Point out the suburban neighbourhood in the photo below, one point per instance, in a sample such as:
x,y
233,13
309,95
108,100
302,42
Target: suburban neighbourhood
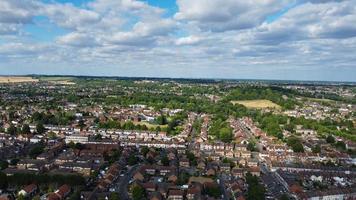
x,y
84,138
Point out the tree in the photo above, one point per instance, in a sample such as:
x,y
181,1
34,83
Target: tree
x,y
40,129
35,151
132,160
251,146
295,143
79,146
81,124
26,129
284,197
330,139
14,161
213,191
21,197
165,161
316,149
98,137
144,150
138,192
12,130
52,135
3,181
3,164
340,145
161,120
226,134
114,196
255,190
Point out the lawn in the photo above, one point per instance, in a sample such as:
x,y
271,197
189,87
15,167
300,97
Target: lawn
x,y
149,125
257,104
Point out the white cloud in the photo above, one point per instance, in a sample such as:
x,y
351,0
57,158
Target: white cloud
x,y
69,16
189,40
78,39
215,15
230,38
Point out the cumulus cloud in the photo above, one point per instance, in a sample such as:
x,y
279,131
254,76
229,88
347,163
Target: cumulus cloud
x,y
205,38
310,21
69,16
16,11
215,15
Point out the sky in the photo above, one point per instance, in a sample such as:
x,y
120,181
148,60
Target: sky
x,y
235,39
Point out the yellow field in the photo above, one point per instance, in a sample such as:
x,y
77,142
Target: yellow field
x,y
258,104
16,79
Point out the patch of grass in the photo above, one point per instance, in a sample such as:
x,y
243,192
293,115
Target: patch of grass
x,y
257,104
149,125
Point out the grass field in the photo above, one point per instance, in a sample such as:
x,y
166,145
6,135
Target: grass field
x,y
16,79
58,80
320,100
258,104
63,82
150,125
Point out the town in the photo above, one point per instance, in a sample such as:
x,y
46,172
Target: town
x,y
98,138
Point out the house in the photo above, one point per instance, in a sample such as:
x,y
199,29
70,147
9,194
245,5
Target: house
x,y
184,162
252,162
138,176
238,172
175,195
201,164
225,167
246,154
155,196
76,138
29,190
149,186
210,172
63,191
256,171
194,193
172,178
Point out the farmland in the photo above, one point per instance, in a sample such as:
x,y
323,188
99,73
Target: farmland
x,y
16,79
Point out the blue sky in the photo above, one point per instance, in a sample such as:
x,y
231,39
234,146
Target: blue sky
x,y
276,39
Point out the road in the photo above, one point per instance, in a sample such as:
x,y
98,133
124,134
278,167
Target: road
x,y
123,183
222,179
274,186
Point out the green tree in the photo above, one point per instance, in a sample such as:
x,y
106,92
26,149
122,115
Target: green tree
x,y
3,164
284,197
213,191
40,129
226,134
35,151
340,145
114,196
144,150
3,181
165,160
256,191
138,193
330,139
26,129
12,130
316,149
132,160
